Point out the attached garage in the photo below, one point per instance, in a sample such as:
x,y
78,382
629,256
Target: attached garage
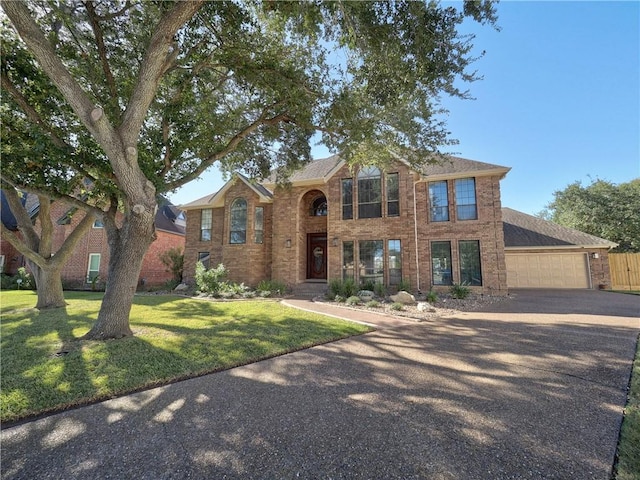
x,y
542,254
547,270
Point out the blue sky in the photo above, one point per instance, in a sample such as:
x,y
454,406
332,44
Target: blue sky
x,y
559,102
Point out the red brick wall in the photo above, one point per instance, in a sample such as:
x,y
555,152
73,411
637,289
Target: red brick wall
x,y
12,258
249,262
283,255
74,273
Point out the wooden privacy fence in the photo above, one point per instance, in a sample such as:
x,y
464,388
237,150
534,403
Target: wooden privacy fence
x,y
625,271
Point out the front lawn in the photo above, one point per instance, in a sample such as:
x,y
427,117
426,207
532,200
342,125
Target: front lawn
x,y
628,467
46,367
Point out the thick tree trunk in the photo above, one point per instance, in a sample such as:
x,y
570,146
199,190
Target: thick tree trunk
x,y
49,286
127,247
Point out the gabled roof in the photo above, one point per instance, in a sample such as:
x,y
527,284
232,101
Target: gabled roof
x,y
169,218
29,202
451,167
217,199
522,230
316,171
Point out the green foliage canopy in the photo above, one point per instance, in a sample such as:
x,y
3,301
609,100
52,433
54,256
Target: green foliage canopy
x,y
245,84
603,209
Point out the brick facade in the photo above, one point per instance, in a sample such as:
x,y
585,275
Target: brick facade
x,y
289,221
74,273
247,262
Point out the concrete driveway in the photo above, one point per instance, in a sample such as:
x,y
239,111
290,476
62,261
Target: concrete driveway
x,y
502,394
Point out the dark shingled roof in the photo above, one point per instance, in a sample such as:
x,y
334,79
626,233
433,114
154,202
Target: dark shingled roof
x,y
451,165
314,170
522,230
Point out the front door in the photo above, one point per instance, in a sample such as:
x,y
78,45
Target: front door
x,y
317,256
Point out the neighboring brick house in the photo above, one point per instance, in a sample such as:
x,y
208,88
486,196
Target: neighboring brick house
x,y
91,254
432,228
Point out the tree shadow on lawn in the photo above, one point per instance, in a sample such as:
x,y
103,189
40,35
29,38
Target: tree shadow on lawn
x,y
52,368
456,398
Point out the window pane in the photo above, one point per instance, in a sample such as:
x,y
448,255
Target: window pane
x,y
205,258
238,230
470,270
441,263
319,207
258,224
393,195
438,201
395,262
466,199
93,269
369,193
205,224
347,198
371,261
347,260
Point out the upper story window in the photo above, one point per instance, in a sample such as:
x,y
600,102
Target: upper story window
x,y
438,201
319,207
258,225
206,217
369,193
238,221
393,195
466,208
347,198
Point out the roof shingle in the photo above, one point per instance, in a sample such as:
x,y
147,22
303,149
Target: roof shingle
x,y
523,230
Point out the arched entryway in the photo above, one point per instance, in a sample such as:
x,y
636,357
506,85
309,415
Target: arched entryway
x,y
313,213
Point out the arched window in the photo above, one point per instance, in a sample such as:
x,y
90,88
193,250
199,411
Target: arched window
x,y
319,207
238,221
369,193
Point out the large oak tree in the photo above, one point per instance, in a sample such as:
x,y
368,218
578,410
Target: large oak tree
x,y
166,90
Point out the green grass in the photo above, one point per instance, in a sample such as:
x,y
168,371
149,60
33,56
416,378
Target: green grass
x,y
46,367
628,292
628,467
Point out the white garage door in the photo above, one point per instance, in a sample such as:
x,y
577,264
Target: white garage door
x,y
547,270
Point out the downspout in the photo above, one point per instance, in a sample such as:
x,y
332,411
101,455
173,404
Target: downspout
x,y
415,231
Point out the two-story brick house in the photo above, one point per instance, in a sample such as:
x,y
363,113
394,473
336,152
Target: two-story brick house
x,y
432,228
89,261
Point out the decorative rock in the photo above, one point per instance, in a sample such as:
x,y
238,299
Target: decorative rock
x,y
181,288
425,307
404,298
365,295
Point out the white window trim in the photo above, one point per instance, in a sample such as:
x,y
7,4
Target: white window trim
x,y
99,255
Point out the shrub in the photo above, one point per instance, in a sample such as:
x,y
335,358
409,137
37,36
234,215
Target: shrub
x,y
173,259
404,285
353,300
339,298
368,285
372,304
432,297
212,280
379,289
344,288
396,306
272,286
24,280
6,282
460,290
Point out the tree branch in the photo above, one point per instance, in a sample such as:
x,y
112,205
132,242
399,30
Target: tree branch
x,y
46,227
90,115
25,225
102,52
67,247
21,246
229,147
156,61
